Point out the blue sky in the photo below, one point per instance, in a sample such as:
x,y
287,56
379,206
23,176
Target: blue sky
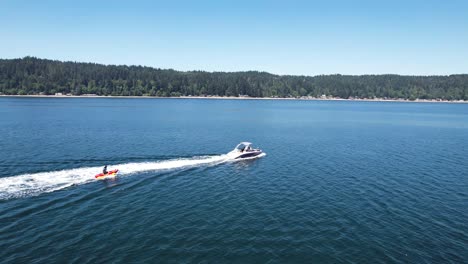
x,y
410,37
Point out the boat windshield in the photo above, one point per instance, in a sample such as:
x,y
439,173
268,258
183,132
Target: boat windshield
x,y
242,147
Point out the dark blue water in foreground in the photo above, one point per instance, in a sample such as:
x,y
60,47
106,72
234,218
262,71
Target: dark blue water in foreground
x,y
362,182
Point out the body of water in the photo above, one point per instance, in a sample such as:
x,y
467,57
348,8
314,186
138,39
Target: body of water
x,y
362,182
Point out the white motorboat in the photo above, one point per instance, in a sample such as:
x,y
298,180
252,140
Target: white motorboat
x,y
244,150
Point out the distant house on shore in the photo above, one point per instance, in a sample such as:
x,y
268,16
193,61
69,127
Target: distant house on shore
x,y
58,94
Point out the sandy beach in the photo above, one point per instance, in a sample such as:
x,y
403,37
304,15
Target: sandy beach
x,y
246,98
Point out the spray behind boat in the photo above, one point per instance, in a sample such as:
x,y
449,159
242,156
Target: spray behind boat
x,y
36,183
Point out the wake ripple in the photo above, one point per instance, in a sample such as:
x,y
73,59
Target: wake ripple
x,y
37,183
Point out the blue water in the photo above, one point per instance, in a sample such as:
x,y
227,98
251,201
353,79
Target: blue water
x,y
362,182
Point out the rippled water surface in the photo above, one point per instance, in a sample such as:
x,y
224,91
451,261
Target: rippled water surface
x,y
363,182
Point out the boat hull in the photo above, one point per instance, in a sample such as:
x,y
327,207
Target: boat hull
x,y
249,154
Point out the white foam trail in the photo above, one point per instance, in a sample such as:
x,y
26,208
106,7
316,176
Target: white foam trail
x,y
36,183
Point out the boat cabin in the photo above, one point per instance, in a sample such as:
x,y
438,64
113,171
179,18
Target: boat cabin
x,y
244,146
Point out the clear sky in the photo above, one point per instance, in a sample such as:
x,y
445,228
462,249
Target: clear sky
x,y
411,37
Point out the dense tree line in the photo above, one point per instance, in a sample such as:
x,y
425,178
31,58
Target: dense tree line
x,y
33,76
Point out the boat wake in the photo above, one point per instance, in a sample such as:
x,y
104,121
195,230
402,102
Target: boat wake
x,y
37,183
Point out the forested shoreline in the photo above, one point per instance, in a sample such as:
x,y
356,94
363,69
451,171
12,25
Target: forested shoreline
x,y
34,76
